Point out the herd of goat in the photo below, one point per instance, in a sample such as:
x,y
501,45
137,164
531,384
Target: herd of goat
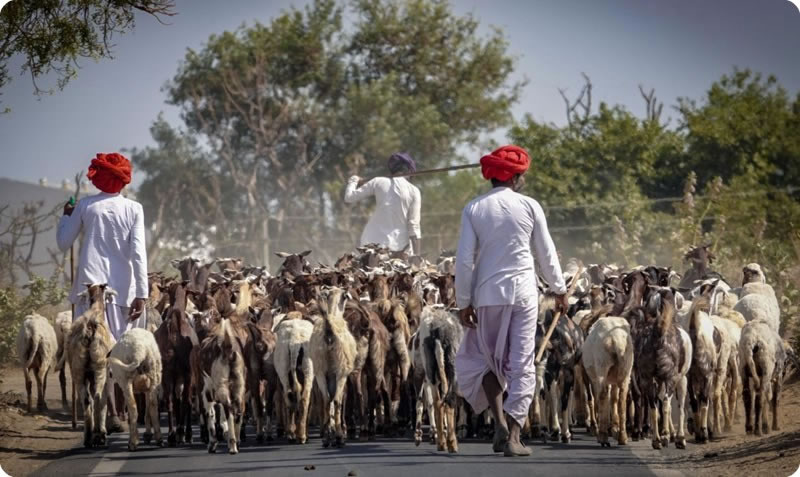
x,y
368,346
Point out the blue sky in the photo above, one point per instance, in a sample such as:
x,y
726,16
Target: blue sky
x,y
678,47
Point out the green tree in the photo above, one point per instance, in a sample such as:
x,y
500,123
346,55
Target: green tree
x,y
285,111
745,125
53,35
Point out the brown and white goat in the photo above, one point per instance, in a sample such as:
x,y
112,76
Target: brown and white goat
x,y
662,361
261,377
440,335
88,346
176,338
221,359
333,350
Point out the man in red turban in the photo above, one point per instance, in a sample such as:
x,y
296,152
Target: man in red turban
x,y
112,249
496,291
110,172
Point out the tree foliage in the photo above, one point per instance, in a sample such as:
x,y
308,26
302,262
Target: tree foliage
x,y
283,112
53,35
15,305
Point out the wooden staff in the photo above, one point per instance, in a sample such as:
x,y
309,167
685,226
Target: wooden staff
x,y
431,171
72,282
556,317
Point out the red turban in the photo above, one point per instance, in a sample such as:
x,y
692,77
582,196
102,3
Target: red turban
x,y
110,172
502,164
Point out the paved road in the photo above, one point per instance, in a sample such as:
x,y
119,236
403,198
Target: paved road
x,y
383,458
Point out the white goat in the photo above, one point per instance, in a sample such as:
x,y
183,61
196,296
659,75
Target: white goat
x,y
63,325
135,366
36,349
762,356
608,360
295,370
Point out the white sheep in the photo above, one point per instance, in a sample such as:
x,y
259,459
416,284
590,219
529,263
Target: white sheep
x,y
608,360
63,325
762,356
36,350
135,365
757,299
292,359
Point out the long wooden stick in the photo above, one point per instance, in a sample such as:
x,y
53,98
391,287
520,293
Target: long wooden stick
x,y
546,339
72,282
556,317
433,171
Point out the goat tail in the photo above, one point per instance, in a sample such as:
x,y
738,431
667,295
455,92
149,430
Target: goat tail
x,y
295,361
128,368
700,304
30,350
401,348
62,358
750,363
438,352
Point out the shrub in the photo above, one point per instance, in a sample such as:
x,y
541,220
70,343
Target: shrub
x,y
16,304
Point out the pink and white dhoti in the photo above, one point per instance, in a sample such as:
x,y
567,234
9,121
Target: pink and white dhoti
x,y
504,343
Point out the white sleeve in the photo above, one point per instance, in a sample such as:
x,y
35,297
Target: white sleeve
x,y
139,254
465,262
69,227
353,193
414,229
545,250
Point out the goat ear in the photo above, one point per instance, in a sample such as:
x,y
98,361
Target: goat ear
x,y
305,253
282,254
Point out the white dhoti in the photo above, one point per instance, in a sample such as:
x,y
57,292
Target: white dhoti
x,y
504,343
116,318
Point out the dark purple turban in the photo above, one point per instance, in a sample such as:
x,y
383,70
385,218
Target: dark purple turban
x,y
400,161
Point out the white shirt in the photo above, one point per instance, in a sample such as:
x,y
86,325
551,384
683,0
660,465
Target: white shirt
x,y
396,216
112,248
494,264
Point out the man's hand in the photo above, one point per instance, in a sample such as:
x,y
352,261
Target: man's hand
x,y
468,318
561,304
136,310
68,208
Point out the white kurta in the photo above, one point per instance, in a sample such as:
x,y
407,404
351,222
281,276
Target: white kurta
x,y
397,212
495,274
112,247
500,232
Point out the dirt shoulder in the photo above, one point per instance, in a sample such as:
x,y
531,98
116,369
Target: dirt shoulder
x,y
30,441
775,455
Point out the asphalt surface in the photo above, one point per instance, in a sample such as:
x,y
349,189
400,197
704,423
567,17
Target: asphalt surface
x,y
382,457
